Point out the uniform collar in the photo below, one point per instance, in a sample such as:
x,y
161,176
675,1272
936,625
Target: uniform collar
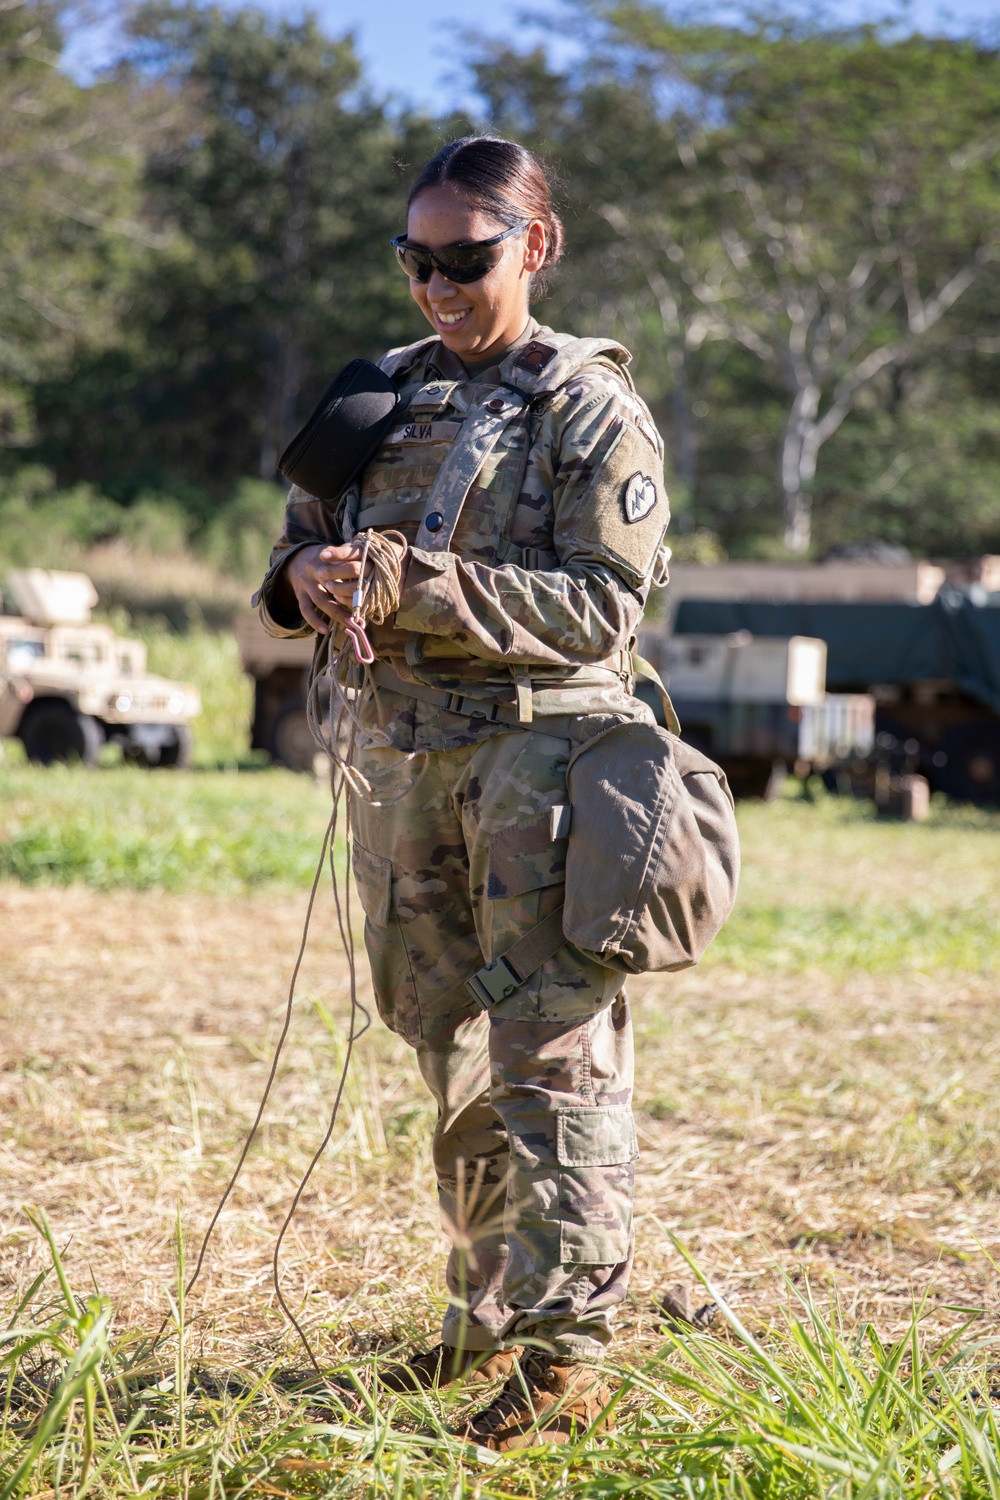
x,y
445,365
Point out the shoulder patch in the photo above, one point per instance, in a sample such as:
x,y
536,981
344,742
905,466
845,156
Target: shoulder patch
x,y
640,497
534,357
620,512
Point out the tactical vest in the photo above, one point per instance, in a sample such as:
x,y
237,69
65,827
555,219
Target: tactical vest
x,y
449,476
450,471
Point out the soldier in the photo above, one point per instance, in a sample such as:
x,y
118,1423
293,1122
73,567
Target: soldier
x,y
527,478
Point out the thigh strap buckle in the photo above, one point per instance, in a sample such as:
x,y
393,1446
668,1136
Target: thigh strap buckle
x,y
498,980
493,983
471,708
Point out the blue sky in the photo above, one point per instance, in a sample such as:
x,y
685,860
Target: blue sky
x,y
412,47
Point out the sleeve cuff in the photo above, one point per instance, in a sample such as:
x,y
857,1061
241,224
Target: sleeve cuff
x,y
428,584
283,623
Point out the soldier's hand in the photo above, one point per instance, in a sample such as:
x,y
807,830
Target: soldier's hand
x,y
322,579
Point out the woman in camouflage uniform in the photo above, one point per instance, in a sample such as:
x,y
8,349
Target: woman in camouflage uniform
x,y
527,477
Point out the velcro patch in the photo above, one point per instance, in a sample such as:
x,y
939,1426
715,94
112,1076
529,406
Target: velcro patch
x,y
599,521
640,497
534,357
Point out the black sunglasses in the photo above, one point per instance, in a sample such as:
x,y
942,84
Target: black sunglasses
x,y
459,263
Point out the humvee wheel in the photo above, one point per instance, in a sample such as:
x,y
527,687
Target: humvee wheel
x,y
52,732
291,740
177,756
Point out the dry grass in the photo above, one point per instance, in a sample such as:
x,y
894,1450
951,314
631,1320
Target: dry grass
x,y
843,1128
802,1121
176,584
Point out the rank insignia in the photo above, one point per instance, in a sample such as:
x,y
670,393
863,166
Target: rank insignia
x,y
534,357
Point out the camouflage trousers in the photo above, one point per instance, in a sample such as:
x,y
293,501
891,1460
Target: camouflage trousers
x,y
535,1145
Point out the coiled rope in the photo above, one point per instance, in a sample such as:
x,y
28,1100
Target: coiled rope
x,y
340,682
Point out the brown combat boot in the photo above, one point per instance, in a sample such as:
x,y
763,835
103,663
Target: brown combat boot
x,y
544,1400
441,1365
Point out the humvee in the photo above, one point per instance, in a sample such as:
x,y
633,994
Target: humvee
x,y
68,686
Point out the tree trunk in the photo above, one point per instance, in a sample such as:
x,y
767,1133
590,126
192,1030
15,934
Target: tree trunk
x,y
797,468
798,520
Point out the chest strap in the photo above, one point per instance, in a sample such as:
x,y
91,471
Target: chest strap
x,y
481,432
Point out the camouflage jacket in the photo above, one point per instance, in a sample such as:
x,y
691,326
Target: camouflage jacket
x,y
535,583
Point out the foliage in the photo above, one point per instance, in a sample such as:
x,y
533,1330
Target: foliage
x,y
70,164
40,525
121,827
238,540
791,223
152,558
268,199
819,200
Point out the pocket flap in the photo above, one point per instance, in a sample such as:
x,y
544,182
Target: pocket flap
x,y
596,1137
373,878
525,857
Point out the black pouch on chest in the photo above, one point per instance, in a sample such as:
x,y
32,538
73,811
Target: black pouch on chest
x,y
351,420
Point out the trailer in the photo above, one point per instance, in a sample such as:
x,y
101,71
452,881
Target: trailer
x,y
932,669
758,705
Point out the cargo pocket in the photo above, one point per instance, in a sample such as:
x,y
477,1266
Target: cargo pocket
x,y
373,878
596,1151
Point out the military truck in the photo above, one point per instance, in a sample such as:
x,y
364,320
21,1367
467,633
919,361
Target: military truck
x,y
758,705
280,670
922,639
69,686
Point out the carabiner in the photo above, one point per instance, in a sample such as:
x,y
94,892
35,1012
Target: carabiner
x,y
359,640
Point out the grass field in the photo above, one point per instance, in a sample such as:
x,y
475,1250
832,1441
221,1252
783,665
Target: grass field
x,y
818,1117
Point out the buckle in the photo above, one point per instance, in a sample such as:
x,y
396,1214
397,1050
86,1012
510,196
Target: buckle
x,y
493,983
470,708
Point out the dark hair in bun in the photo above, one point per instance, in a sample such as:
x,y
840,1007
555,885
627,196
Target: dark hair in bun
x,y
500,178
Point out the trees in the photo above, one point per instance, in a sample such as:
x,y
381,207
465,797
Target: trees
x,y
793,228
270,199
69,163
275,191
847,191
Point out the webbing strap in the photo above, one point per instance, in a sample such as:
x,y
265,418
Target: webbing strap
x,y
481,432
558,725
456,703
647,670
507,973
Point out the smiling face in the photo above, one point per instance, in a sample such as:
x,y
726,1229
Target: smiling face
x,y
482,317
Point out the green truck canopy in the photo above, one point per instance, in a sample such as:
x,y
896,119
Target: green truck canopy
x,y
957,637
